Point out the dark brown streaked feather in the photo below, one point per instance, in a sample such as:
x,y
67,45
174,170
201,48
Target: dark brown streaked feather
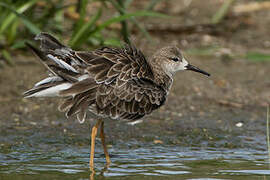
x,y
48,42
80,87
66,104
110,82
64,73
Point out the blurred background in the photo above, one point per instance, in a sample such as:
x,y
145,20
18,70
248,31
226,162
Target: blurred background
x,y
213,128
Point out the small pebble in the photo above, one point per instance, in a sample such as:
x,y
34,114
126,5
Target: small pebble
x,y
239,124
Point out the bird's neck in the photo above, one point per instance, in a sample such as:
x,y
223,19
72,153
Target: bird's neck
x,y
161,78
164,81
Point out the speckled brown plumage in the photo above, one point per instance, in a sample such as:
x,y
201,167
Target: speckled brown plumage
x,y
116,82
119,83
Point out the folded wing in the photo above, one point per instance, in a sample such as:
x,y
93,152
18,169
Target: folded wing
x,y
110,82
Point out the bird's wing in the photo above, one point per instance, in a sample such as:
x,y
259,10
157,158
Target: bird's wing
x,y
131,101
114,82
120,64
124,84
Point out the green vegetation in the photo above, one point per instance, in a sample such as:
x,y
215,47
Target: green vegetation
x,y
85,22
21,20
203,51
257,57
222,12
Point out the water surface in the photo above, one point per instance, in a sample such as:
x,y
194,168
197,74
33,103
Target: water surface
x,y
148,162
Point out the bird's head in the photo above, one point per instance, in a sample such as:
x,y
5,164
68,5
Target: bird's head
x,y
171,60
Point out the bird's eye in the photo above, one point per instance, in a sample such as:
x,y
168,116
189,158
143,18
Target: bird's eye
x,y
175,59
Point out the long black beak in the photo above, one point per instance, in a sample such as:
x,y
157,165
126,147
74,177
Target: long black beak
x,y
193,68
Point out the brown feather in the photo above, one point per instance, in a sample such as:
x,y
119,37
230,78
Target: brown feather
x,y
101,76
121,83
94,69
79,87
85,56
65,105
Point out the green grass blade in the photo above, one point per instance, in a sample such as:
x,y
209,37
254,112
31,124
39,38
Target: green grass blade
x,y
221,13
122,10
257,57
11,34
128,16
5,24
84,32
82,10
152,4
127,3
142,29
18,44
203,51
30,26
112,42
120,6
96,39
7,57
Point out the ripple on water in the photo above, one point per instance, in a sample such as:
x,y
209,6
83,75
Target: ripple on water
x,y
246,172
205,179
150,161
172,172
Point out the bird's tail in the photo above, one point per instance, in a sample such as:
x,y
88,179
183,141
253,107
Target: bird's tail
x,y
61,63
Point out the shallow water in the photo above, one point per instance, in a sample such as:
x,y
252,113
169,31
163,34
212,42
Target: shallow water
x,y
148,162
206,150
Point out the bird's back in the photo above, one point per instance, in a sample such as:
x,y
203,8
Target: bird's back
x,y
110,82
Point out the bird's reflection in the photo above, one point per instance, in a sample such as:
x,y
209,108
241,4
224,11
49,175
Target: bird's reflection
x,y
93,172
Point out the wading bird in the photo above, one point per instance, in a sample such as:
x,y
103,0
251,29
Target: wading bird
x,y
117,83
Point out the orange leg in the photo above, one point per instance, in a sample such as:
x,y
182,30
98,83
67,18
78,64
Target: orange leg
x,y
102,136
93,139
92,175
